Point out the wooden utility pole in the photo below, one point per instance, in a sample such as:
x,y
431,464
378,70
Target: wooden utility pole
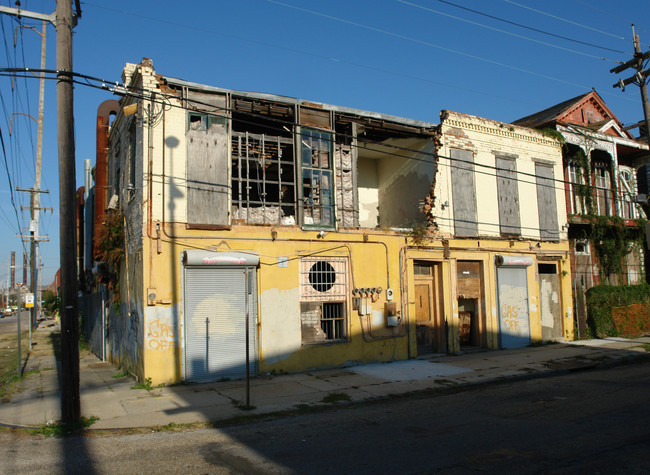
x,y
70,400
36,198
640,78
64,21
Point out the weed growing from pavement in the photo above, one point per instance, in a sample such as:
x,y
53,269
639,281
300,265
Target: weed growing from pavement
x,y
121,374
146,384
333,398
61,429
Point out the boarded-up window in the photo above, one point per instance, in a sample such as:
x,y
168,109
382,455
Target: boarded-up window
x,y
509,223
463,193
207,171
546,204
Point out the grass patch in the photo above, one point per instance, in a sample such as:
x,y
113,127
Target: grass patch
x,y
333,398
9,360
60,429
121,374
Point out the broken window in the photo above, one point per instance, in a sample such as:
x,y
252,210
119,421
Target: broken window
x,y
317,180
323,295
263,179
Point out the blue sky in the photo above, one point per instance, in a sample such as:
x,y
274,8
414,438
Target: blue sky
x,y
498,59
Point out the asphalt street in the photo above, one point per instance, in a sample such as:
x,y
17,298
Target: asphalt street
x,y
582,422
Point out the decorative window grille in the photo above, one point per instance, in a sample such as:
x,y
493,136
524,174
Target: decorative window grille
x,y
323,294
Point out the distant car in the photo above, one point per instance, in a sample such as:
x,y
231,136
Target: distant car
x,y
7,312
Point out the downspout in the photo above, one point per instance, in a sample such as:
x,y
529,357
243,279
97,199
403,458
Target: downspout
x,y
104,112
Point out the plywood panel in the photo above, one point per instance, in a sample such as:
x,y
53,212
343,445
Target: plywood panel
x,y
509,222
463,193
546,204
207,176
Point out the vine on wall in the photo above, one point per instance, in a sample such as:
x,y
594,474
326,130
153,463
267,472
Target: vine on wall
x,y
610,237
111,245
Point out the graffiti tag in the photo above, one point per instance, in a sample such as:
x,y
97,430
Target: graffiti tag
x,y
161,336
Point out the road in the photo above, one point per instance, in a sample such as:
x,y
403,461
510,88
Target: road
x,y
587,422
8,324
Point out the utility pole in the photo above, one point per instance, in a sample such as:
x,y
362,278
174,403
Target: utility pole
x,y
70,400
64,20
640,78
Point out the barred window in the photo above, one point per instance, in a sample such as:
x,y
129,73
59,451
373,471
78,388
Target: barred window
x,y
323,295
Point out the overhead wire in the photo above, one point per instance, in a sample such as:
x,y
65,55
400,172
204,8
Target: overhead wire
x,y
545,43
609,14
564,20
431,158
538,30
322,57
432,45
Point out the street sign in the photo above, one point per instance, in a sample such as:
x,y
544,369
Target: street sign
x,y
29,300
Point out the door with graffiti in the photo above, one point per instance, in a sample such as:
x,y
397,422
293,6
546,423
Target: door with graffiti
x,y
514,322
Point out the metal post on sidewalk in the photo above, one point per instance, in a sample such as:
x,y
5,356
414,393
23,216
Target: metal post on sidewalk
x,y
248,376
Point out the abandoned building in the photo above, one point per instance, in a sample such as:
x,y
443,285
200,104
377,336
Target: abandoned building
x,y
290,235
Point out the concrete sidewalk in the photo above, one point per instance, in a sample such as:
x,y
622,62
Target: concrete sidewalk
x,y
108,395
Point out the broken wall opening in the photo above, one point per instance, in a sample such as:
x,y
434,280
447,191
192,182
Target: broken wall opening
x,y
394,179
263,169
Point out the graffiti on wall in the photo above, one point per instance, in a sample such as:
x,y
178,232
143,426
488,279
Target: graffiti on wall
x,y
161,336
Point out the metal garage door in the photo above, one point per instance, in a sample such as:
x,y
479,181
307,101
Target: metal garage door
x,y
215,321
512,291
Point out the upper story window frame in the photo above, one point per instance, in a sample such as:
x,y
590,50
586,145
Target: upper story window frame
x,y
318,187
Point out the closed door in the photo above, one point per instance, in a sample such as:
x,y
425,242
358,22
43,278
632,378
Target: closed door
x,y
514,325
215,323
429,322
550,308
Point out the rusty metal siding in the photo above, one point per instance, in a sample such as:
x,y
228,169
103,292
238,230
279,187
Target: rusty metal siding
x,y
207,176
546,204
509,222
463,193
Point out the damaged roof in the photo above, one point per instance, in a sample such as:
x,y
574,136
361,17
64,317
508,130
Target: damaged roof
x,y
294,101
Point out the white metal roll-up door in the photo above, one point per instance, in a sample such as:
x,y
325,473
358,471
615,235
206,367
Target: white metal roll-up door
x,y
215,323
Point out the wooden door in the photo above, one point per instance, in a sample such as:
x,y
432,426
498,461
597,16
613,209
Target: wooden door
x,y
429,322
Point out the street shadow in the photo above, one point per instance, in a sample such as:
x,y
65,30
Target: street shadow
x,y
76,455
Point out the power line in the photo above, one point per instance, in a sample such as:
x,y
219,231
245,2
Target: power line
x,y
529,27
432,45
429,157
564,20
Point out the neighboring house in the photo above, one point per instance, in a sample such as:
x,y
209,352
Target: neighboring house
x,y
601,159
291,234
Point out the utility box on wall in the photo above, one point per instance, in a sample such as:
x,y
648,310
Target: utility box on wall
x,y
391,314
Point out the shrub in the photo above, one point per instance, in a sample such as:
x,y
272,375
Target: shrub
x,y
603,298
